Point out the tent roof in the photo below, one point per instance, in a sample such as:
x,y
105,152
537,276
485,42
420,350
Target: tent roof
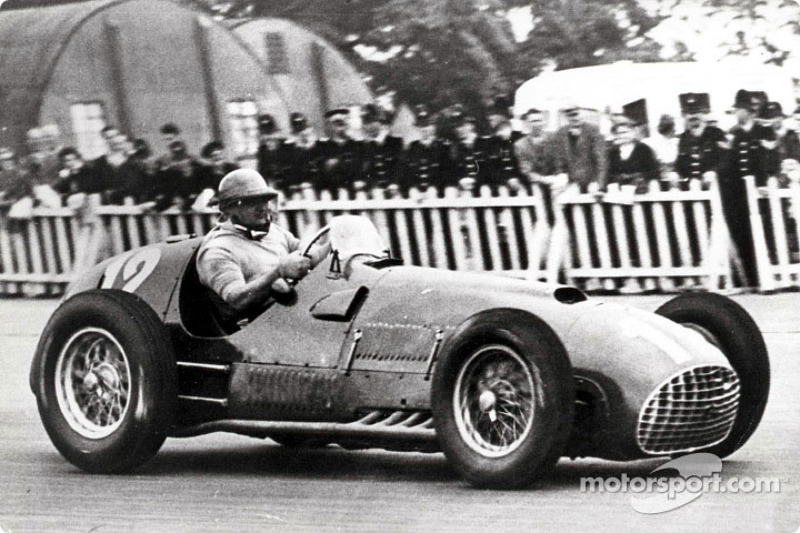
x,y
31,41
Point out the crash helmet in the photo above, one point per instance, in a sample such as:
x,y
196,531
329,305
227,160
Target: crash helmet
x,y
243,184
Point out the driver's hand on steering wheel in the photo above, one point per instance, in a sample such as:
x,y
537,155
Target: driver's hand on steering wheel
x,y
294,266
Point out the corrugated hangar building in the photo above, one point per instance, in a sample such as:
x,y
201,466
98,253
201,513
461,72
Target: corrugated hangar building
x,y
135,64
311,73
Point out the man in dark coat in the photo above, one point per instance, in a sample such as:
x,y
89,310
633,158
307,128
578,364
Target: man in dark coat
x,y
701,148
501,156
470,153
303,154
272,155
752,151
580,151
339,154
427,160
380,151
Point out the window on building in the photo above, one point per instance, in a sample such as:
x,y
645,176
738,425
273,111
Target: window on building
x,y
88,120
277,60
243,116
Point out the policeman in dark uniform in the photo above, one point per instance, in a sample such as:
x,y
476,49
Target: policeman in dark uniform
x,y
380,152
751,150
339,154
501,156
701,147
272,154
303,153
427,161
470,153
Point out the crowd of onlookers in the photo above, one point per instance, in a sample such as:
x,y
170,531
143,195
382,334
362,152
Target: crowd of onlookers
x,y
50,174
448,151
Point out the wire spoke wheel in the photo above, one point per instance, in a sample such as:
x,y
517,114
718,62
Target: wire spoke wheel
x,y
494,400
93,383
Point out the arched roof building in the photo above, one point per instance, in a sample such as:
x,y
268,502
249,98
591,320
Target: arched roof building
x,y
134,64
311,73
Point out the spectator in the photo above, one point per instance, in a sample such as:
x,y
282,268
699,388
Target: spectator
x,y
631,163
303,149
750,155
114,179
108,133
272,153
501,158
580,151
788,140
532,151
701,147
427,160
170,132
41,164
75,176
215,166
177,180
665,144
14,183
380,151
339,153
469,152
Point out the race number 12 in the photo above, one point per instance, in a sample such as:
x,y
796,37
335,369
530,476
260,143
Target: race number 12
x,y
135,267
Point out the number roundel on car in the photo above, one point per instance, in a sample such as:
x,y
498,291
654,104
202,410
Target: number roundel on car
x,y
130,270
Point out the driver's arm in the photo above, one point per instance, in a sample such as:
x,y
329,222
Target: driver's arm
x,y
220,271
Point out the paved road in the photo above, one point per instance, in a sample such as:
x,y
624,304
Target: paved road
x,y
230,483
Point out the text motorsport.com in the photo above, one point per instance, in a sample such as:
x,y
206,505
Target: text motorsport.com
x,y
697,474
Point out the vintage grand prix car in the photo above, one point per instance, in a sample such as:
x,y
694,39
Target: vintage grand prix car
x,y
504,376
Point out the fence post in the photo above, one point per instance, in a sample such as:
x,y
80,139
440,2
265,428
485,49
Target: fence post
x,y
766,280
558,253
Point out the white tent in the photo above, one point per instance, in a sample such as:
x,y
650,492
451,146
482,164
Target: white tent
x,y
606,88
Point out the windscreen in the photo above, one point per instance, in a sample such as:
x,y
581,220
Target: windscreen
x,y
352,235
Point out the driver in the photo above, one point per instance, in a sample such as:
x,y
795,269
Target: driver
x,y
246,257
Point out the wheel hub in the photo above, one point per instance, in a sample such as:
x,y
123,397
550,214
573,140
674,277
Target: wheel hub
x,y
494,401
93,383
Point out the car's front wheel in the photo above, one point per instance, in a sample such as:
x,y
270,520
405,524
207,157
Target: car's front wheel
x,y
106,385
502,400
728,326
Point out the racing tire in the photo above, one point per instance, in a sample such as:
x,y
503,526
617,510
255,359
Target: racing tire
x,y
106,385
502,399
728,326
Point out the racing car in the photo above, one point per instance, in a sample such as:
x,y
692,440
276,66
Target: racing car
x,y
504,376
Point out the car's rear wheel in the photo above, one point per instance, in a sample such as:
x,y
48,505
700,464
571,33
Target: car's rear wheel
x,y
107,383
728,326
502,400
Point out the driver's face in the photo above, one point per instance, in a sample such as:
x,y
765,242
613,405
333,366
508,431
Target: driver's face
x,y
256,214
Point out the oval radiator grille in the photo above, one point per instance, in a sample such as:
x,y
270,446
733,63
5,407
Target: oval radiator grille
x,y
691,410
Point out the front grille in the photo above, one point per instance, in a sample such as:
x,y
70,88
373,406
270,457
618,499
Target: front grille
x,y
691,410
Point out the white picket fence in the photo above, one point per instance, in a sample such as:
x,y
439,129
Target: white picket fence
x,y
775,217
657,241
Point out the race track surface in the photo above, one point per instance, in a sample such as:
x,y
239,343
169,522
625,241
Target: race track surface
x,y
220,483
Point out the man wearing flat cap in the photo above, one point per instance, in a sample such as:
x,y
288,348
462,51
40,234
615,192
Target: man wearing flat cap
x,y
701,147
339,154
247,258
380,151
272,154
580,150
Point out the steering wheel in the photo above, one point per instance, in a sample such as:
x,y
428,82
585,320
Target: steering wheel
x,y
317,236
305,253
